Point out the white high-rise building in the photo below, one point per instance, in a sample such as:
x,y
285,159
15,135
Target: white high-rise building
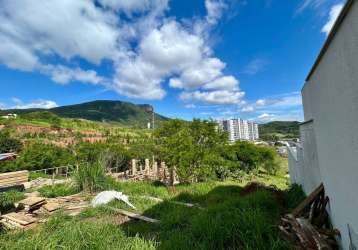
x,y
239,129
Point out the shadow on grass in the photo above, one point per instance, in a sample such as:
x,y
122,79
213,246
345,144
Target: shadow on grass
x,y
228,221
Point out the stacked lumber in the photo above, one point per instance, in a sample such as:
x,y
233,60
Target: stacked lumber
x,y
307,226
17,220
13,178
32,203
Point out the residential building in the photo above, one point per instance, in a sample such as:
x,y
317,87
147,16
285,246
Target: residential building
x,y
328,149
239,129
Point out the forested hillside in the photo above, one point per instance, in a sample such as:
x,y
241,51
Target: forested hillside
x,y
110,111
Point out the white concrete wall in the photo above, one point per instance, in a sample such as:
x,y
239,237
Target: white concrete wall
x,y
311,176
330,98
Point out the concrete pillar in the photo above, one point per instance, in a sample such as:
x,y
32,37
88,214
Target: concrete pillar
x,y
155,169
147,166
134,166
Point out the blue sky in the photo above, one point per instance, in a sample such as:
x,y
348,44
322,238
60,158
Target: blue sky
x,y
188,58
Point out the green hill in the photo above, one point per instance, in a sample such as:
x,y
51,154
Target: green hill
x,y
289,129
126,113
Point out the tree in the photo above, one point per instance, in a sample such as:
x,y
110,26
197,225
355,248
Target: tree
x,y
192,148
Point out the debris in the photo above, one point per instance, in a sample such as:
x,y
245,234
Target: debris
x,y
133,215
108,196
41,182
31,203
174,202
13,178
308,225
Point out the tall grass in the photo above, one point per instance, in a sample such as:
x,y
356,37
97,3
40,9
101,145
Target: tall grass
x,y
91,177
58,190
67,233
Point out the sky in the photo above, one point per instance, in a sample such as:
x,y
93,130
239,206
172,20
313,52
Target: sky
x,y
208,59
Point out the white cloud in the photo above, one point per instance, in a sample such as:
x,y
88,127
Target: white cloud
x,y
145,48
283,101
63,27
310,4
45,104
222,97
205,71
223,83
63,75
333,15
214,10
255,66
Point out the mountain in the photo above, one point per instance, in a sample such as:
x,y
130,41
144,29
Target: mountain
x,y
289,129
110,111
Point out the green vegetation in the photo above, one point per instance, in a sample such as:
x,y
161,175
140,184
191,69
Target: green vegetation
x,y
7,200
125,113
58,190
91,177
9,144
232,217
39,156
199,152
274,131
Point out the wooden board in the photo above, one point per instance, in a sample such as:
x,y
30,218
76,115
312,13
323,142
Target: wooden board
x,y
52,206
24,173
19,218
133,215
308,200
32,201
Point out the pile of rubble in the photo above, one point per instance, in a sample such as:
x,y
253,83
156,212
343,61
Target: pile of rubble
x,y
308,226
34,209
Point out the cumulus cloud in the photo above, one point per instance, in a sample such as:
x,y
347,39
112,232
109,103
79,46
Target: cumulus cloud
x,y
45,104
222,97
145,48
333,15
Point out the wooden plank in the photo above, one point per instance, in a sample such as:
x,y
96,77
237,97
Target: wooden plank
x,y
133,215
52,206
13,181
306,202
19,218
17,173
170,201
31,201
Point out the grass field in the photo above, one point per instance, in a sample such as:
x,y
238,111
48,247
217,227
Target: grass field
x,y
228,218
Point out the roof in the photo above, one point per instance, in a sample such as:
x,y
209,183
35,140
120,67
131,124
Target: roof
x,y
331,35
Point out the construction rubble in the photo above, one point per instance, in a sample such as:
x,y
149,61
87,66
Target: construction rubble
x,y
34,210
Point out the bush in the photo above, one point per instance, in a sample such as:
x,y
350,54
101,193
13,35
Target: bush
x,y
9,144
39,156
58,190
7,200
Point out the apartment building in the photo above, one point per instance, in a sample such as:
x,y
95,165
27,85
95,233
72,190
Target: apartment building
x,y
239,129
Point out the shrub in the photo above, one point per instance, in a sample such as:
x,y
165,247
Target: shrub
x,y
58,190
39,156
91,177
9,144
7,200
